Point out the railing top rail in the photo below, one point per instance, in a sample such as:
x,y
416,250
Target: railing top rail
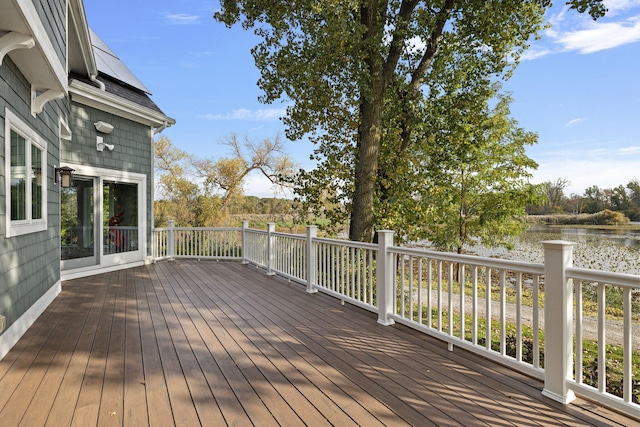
x,y
289,235
348,243
620,279
524,267
254,231
207,228
199,229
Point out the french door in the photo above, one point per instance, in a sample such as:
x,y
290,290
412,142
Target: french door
x,y
102,219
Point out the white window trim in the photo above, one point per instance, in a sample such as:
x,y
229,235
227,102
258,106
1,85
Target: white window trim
x,y
17,228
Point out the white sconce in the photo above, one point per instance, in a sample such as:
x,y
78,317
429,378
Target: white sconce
x,y
101,145
103,127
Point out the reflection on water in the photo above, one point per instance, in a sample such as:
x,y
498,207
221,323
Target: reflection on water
x,y
599,249
620,236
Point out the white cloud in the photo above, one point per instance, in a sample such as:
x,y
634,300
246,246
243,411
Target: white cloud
x,y
245,114
606,168
601,36
534,53
258,185
574,122
616,6
571,31
182,19
627,150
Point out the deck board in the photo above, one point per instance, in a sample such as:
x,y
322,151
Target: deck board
x,y
204,343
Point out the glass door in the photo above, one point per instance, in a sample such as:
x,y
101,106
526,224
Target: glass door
x,y
120,217
77,224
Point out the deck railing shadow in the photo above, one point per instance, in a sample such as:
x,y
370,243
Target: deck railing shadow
x,y
493,307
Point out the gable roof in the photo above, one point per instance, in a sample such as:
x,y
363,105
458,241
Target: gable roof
x,y
98,77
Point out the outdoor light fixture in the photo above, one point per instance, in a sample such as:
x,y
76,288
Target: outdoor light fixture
x,y
101,145
103,127
64,175
37,173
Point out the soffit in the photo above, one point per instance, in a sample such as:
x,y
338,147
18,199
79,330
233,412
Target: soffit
x,y
40,64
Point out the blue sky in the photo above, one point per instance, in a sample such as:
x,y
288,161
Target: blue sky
x,y
578,87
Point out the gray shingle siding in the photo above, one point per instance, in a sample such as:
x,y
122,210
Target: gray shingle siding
x,y
132,153
53,14
30,263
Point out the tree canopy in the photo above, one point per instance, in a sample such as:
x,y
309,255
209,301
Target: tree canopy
x,y
362,76
196,191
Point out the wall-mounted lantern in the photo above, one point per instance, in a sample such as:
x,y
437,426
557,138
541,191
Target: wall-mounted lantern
x,y
37,173
63,175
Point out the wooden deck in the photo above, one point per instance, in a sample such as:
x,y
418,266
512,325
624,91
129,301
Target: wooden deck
x,y
203,343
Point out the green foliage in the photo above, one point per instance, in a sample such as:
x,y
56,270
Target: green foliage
x,y
204,192
475,178
363,76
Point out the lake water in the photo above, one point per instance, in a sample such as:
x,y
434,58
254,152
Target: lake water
x,y
600,249
620,236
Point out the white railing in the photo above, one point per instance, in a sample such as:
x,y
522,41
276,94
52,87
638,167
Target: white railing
x,y
611,292
200,243
484,305
346,270
120,238
493,307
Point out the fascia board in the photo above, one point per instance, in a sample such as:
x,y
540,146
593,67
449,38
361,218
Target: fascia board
x,y
96,98
79,19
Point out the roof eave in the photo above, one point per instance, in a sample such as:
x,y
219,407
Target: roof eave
x,y
78,18
105,101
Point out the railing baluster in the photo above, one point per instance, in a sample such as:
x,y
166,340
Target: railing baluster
x,y
488,308
602,334
578,330
503,312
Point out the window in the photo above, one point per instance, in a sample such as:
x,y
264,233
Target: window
x,y
26,166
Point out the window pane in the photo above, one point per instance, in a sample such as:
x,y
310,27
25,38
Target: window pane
x,y
121,217
36,183
76,219
18,177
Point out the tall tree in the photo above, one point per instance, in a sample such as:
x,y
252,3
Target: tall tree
x,y
594,199
227,175
175,187
197,191
555,194
339,62
477,179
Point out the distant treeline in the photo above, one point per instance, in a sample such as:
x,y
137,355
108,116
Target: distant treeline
x,y
605,217
624,199
208,211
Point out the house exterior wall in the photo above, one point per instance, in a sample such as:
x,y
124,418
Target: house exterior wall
x,y
29,263
132,152
53,15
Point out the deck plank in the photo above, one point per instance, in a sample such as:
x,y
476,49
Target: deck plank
x,y
307,382
64,404
135,410
205,343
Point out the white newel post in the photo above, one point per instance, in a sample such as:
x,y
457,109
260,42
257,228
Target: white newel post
x,y
171,240
245,225
558,320
271,228
384,278
312,233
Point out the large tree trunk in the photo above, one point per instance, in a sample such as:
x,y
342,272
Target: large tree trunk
x,y
361,225
371,103
381,72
